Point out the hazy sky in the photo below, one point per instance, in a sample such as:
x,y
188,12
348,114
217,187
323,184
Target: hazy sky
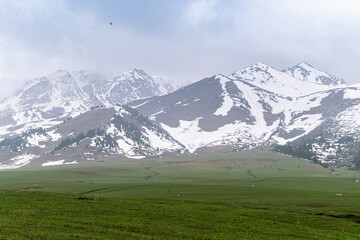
x,y
184,40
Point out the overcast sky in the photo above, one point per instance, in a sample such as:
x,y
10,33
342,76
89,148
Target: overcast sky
x,y
184,40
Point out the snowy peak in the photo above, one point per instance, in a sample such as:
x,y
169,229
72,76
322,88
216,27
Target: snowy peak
x,y
161,84
259,73
249,73
305,65
60,75
278,82
306,72
133,85
134,75
48,100
261,66
52,90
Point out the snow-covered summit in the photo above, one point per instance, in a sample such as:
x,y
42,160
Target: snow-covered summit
x,y
306,72
278,82
133,75
44,101
133,85
161,84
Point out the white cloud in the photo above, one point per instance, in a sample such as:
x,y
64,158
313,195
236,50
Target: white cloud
x,y
200,11
207,37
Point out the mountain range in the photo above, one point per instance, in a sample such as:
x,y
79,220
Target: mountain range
x,y
67,118
47,101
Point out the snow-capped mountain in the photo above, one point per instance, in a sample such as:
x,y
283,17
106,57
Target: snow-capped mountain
x,y
100,133
116,130
133,85
254,106
47,101
306,72
217,111
275,81
43,102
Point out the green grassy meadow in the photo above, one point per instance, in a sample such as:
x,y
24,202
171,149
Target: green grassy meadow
x,y
247,195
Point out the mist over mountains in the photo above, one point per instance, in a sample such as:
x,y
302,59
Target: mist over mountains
x,y
66,118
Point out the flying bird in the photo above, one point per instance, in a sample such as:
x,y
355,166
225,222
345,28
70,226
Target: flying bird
x,y
110,23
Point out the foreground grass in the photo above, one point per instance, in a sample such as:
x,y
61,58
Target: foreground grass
x,y
36,215
249,195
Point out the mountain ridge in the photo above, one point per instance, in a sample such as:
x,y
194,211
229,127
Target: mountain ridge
x,y
254,106
306,72
61,95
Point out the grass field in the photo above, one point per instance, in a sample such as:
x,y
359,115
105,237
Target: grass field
x,y
247,195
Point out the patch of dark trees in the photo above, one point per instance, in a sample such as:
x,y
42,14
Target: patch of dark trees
x,y
18,143
303,150
106,142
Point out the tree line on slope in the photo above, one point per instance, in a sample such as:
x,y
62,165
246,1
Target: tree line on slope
x,y
106,141
345,150
18,143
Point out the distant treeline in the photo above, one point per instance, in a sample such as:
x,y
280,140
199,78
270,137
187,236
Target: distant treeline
x,y
303,150
107,140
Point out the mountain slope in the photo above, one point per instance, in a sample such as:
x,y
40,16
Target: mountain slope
x,y
222,111
217,111
96,134
254,106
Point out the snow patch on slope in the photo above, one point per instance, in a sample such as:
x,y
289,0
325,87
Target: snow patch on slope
x,y
54,136
160,142
18,161
227,103
192,137
348,121
352,93
36,139
53,163
305,123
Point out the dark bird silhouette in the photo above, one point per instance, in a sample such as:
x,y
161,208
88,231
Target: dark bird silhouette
x,y
110,23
